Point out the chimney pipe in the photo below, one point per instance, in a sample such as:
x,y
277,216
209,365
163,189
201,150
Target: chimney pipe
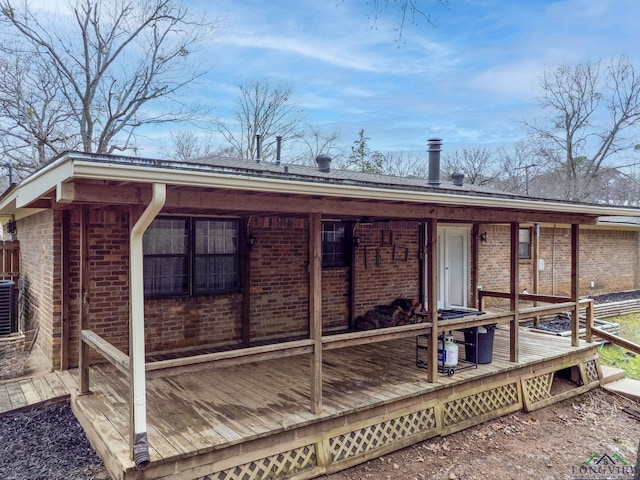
x,y
278,149
258,148
435,147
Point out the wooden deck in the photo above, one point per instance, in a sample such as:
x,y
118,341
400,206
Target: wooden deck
x,y
253,420
25,393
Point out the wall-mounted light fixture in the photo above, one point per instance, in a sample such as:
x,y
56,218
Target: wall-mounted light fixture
x,y
483,237
250,241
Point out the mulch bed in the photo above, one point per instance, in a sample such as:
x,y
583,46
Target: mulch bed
x,y
47,443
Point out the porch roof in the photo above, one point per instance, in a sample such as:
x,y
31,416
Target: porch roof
x,y
97,178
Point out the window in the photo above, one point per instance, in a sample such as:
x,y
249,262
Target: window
x,y
190,256
334,251
524,243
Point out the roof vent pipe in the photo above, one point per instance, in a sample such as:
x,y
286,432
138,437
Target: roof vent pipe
x,y
278,149
258,148
435,147
324,162
458,178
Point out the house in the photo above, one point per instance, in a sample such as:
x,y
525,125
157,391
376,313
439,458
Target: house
x,y
218,305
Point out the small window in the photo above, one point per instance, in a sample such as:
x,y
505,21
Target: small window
x,y
524,243
334,245
189,256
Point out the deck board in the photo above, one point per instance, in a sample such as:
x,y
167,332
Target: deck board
x,y
214,408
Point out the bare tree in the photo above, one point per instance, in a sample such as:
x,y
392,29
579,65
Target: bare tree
x,y
521,171
266,110
189,145
407,11
476,163
315,142
101,66
594,113
402,164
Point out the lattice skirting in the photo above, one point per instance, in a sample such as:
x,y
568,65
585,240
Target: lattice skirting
x,y
536,388
371,437
282,465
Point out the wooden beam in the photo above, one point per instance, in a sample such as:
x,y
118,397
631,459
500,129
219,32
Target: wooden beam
x,y
114,356
575,284
83,360
514,341
432,298
475,237
315,309
240,202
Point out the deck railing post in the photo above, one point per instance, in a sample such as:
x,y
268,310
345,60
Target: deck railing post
x,y
589,321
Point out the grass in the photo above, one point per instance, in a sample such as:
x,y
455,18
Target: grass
x,y
615,356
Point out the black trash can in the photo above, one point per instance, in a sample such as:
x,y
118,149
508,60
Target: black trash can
x,y
485,343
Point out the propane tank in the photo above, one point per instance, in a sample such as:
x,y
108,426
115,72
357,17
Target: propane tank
x,y
448,353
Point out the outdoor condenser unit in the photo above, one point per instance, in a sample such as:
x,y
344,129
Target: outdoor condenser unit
x,y
7,307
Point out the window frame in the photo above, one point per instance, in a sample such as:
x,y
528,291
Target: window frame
x,y
344,245
527,256
191,256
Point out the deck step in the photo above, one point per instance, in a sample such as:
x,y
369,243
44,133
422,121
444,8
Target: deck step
x,y
611,374
627,387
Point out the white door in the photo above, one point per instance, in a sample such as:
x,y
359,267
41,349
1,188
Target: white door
x,y
453,266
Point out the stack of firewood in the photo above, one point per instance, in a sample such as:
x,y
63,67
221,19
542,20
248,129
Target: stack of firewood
x,y
402,311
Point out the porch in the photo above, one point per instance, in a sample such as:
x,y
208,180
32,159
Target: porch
x,y
252,420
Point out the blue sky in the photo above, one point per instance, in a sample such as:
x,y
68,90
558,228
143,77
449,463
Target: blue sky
x,y
468,78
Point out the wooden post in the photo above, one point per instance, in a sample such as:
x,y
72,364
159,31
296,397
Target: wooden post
x,y
474,263
315,309
589,321
535,256
432,298
83,360
66,288
575,284
514,341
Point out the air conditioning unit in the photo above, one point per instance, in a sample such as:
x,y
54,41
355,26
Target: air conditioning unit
x,y
8,317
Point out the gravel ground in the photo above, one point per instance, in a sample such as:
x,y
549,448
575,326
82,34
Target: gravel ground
x,y
46,443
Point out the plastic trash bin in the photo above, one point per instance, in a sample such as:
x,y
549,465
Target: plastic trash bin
x,y
485,343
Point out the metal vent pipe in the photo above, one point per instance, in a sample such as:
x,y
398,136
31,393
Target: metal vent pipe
x,y
258,148
435,147
278,149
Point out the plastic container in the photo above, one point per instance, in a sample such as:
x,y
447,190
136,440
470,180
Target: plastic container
x,y
447,353
485,344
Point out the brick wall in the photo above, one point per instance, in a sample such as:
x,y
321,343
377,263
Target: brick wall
x,y
609,258
12,356
386,269
40,279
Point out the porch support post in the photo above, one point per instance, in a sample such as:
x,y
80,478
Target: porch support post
x,y
575,284
83,359
138,443
475,232
315,309
514,341
432,298
535,256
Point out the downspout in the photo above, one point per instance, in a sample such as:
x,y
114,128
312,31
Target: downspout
x,y
139,444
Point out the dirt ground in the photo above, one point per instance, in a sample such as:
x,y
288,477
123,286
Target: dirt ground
x,y
551,443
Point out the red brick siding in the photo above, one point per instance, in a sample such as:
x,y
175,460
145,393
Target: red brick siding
x,y
393,277
40,278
